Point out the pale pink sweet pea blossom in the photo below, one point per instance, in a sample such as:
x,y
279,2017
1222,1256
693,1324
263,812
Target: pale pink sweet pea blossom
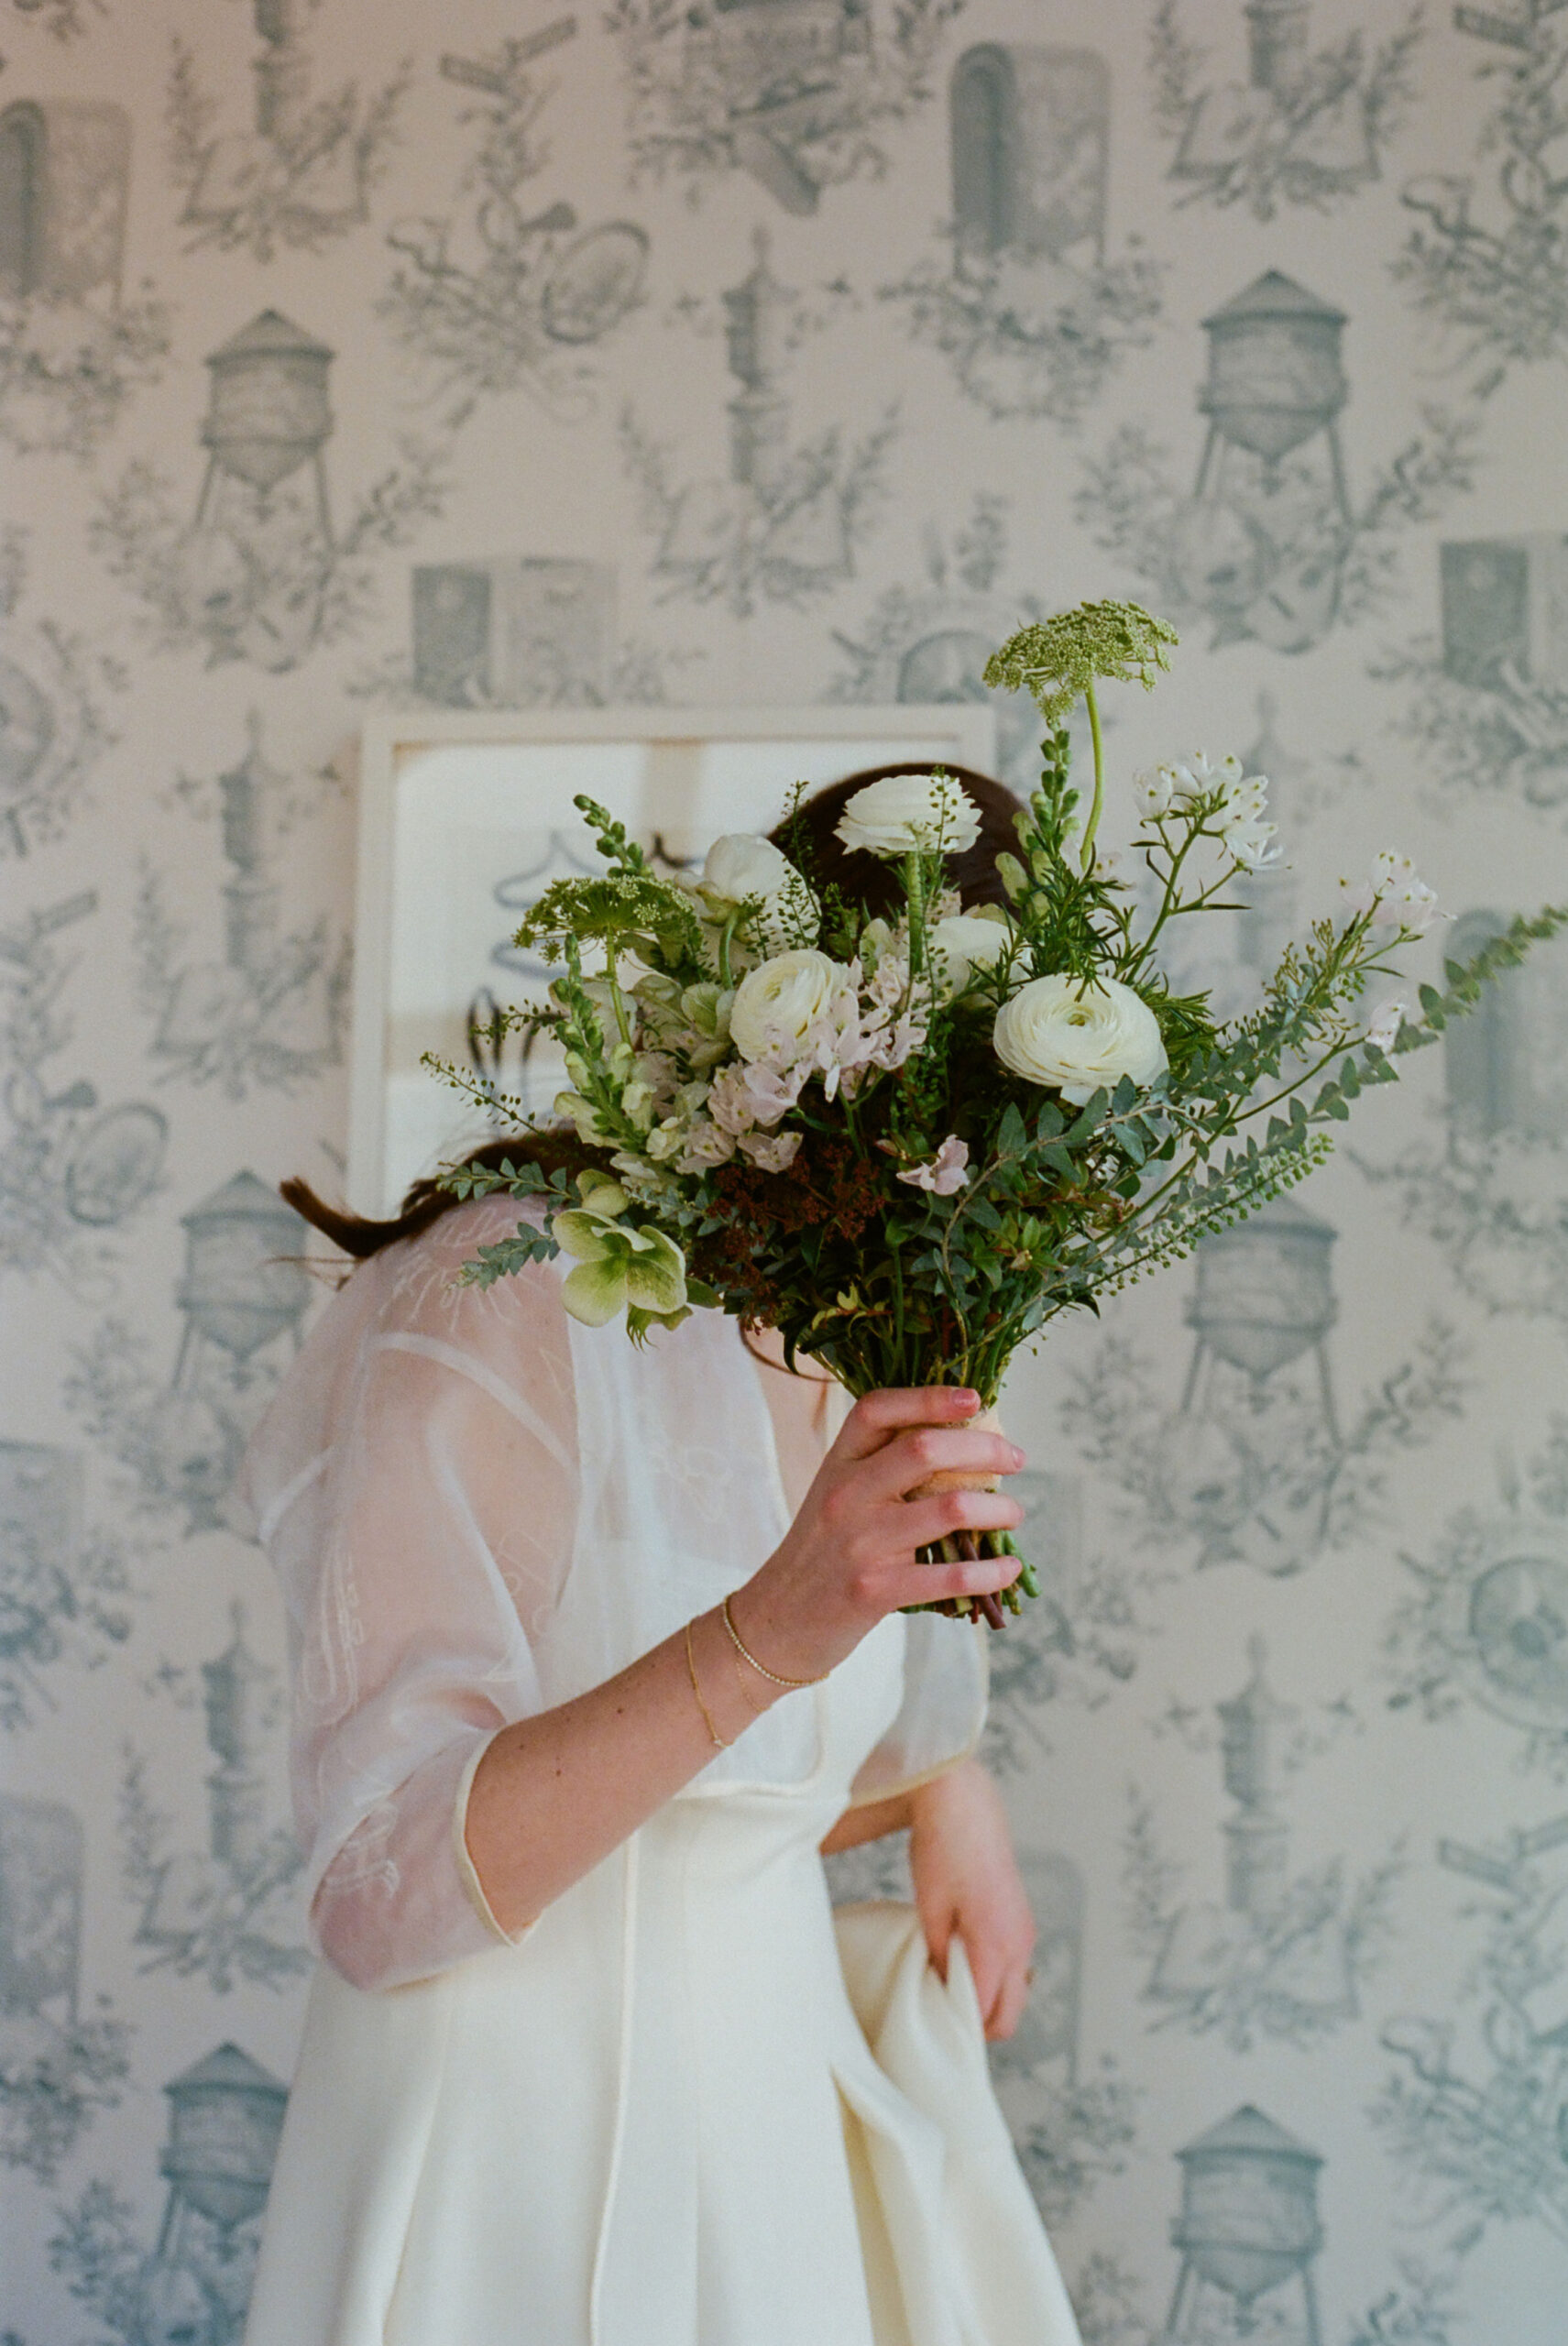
x,y
774,1153
946,1172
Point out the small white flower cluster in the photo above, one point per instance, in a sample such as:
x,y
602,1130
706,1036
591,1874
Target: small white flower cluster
x,y
1178,789
1392,893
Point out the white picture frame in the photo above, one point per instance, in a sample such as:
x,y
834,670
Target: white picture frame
x,y
463,814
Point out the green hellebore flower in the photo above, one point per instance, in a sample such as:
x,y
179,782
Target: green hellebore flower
x,y
617,1267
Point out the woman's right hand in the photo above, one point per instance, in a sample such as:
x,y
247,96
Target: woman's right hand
x,y
848,1557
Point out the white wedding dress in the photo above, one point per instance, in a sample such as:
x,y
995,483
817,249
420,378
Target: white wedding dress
x,y
687,2107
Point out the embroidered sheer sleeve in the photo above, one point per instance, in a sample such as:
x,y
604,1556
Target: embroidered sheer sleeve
x,y
422,1546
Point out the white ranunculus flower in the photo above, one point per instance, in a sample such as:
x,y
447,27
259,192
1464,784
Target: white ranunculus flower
x,y
906,811
962,944
777,1004
1074,1037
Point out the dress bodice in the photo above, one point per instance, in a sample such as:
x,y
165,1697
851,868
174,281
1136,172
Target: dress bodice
x,y
480,1509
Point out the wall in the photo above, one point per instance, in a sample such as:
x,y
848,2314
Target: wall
x,y
796,349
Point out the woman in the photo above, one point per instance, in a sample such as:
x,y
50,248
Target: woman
x,y
596,1648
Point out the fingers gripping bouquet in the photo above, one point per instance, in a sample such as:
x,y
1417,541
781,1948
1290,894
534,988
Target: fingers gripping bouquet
x,y
908,1145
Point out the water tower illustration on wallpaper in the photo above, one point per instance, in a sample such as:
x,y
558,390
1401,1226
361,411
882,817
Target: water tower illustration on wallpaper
x,y
225,2114
266,557
1266,542
1248,2227
242,1299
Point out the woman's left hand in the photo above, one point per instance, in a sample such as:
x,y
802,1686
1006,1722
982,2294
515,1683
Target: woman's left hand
x,y
967,1881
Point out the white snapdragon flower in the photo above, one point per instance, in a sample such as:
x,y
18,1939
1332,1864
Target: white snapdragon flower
x,y
1076,1037
904,812
946,1172
1392,893
962,944
777,1004
1383,1027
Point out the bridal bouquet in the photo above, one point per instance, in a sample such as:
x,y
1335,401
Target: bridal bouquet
x,y
909,1143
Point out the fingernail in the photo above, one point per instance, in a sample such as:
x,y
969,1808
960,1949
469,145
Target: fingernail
x,y
1018,1455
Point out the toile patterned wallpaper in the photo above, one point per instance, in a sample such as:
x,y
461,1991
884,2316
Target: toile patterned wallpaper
x,y
771,350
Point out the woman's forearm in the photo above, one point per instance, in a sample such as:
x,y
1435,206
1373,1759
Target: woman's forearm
x,y
554,1794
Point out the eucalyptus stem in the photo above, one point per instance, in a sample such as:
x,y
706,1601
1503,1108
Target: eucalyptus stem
x,y
725,938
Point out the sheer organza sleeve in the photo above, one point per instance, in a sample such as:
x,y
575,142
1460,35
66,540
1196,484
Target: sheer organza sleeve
x,y
427,1539
947,1680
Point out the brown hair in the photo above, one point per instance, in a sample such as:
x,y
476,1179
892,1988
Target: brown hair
x,y
809,834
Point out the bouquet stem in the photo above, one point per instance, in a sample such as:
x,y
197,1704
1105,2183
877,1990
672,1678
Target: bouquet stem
x,y
971,1547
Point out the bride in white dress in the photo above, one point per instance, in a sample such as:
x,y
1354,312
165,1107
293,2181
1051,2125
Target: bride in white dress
x,y
589,2061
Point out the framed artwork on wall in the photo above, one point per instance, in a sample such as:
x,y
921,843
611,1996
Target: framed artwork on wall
x,y
465,818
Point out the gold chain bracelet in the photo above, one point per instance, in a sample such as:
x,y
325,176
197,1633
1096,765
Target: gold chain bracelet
x,y
775,1676
696,1689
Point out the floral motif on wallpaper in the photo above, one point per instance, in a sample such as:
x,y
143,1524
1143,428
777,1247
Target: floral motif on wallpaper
x,y
59,2065
1030,312
53,729
229,1910
1484,260
1485,1622
71,1171
799,98
272,1010
508,296
1493,1191
1489,711
67,1584
1305,127
1284,1954
303,171
931,641
786,524
1480,2128
74,348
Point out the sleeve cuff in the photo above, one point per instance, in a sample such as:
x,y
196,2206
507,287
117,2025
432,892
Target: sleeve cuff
x,y
467,1872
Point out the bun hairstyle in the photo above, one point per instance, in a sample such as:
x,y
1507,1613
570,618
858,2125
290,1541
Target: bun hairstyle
x,y
810,833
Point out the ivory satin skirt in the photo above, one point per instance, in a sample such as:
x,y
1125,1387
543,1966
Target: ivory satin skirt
x,y
691,2107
